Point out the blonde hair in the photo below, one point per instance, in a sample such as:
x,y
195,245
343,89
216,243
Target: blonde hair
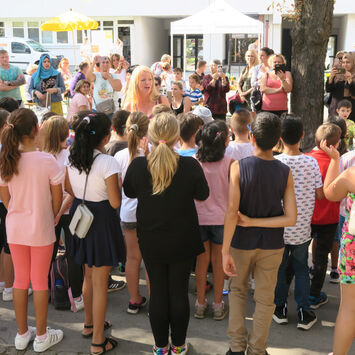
x,y
179,84
272,57
136,128
80,84
31,68
113,56
163,161
256,59
55,132
132,92
62,61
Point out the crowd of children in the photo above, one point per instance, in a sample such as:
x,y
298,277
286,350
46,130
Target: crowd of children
x,y
184,186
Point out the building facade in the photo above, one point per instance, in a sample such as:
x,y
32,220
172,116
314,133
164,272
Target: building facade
x,y
144,27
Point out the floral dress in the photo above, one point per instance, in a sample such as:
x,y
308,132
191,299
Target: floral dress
x,y
347,247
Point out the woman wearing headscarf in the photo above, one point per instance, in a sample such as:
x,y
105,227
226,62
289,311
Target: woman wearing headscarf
x,y
342,85
47,80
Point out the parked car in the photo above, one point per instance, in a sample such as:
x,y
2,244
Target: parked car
x,y
25,51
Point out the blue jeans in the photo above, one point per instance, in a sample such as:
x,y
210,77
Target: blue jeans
x,y
298,256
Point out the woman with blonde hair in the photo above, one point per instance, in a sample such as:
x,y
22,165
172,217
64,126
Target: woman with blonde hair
x,y
166,186
136,130
180,103
63,68
275,85
141,94
244,82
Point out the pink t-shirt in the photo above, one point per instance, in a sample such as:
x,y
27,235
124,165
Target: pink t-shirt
x,y
30,219
75,103
211,212
277,101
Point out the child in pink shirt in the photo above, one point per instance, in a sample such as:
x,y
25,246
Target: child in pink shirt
x,y
31,190
212,141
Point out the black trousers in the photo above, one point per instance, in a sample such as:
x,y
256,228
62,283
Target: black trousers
x,y
75,271
169,302
324,234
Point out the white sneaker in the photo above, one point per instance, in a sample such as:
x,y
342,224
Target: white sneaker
x,y
8,296
79,304
21,343
54,336
181,350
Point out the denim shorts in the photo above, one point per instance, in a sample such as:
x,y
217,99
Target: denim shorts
x,y
128,225
212,233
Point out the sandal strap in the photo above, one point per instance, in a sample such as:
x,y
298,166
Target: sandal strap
x,y
107,325
112,341
88,326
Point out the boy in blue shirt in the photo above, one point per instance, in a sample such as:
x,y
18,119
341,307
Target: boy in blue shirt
x,y
194,93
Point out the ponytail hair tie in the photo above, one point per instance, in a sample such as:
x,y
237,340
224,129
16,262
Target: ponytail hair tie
x,y
87,119
134,128
162,141
11,125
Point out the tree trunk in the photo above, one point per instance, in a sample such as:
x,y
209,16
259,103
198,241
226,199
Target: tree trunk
x,y
310,33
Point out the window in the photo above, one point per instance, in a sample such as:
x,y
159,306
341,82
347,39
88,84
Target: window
x,y
18,29
47,37
125,22
62,37
2,29
80,36
33,30
17,47
239,46
108,26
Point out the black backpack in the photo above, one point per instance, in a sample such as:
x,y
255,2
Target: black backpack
x,y
61,294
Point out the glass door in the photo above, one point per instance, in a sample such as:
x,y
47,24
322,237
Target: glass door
x,y
194,51
124,34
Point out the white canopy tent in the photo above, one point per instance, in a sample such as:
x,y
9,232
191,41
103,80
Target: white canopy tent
x,y
218,18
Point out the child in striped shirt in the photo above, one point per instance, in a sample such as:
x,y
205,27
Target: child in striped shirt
x,y
194,93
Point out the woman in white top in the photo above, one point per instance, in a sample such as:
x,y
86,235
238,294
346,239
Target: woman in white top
x,y
117,67
136,128
103,245
80,101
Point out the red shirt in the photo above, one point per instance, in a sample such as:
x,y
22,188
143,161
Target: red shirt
x,y
215,96
325,211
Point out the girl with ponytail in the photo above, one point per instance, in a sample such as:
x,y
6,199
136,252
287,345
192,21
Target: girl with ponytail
x,y
31,190
136,131
166,186
103,246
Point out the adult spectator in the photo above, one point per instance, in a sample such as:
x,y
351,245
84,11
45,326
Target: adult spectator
x,y
105,84
11,78
80,75
244,83
142,95
85,50
180,103
118,68
31,69
275,86
63,68
80,101
167,76
215,87
117,48
200,70
47,81
156,68
263,67
342,85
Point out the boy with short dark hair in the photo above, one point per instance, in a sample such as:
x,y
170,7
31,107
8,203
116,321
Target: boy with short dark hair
x,y
261,203
178,76
344,109
325,216
308,186
194,93
189,126
120,140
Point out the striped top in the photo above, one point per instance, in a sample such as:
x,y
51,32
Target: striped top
x,y
194,95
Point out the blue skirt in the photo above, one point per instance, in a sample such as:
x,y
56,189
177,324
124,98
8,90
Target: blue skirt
x,y
103,244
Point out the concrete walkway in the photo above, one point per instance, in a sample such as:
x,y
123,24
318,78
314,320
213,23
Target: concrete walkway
x,y
206,337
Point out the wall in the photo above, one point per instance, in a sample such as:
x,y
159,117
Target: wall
x,y
349,33
214,47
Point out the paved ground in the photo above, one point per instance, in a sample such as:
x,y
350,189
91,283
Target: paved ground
x,y
207,337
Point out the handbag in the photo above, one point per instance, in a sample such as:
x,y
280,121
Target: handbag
x,y
107,106
256,98
83,217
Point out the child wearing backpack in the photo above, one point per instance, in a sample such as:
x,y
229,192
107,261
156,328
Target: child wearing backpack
x,y
261,203
213,140
30,181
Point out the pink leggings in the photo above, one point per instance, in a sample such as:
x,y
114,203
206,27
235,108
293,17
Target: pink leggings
x,y
31,264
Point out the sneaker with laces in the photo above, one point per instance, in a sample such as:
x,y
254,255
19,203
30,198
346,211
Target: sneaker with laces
x,y
54,336
133,308
180,350
200,310
8,296
160,351
306,319
334,276
115,285
79,304
219,311
280,314
316,302
22,342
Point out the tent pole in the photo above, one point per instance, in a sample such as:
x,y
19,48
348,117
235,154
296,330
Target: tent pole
x,y
184,52
72,33
172,48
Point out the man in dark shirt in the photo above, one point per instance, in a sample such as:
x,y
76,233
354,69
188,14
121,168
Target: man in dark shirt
x,y
215,87
200,70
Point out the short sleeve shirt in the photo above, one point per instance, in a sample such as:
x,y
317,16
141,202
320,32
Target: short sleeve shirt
x,y
238,151
307,178
75,104
194,95
30,219
102,168
102,89
9,75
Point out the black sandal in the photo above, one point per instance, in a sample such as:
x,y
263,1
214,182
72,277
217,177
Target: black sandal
x,y
112,341
107,325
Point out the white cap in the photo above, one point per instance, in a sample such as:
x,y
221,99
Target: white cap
x,y
204,113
